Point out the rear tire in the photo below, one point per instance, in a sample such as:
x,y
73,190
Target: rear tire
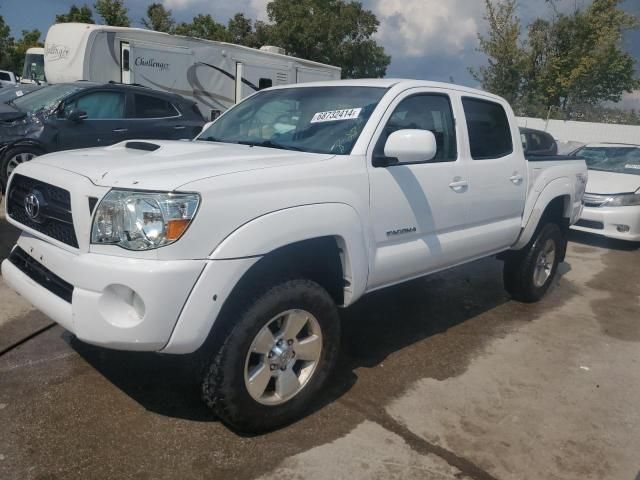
x,y
267,372
15,156
528,273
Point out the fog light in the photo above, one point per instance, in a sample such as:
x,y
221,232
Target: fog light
x,y
623,228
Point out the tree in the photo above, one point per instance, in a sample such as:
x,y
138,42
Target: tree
x,y
240,29
5,45
503,74
203,26
565,64
113,12
158,18
338,32
76,14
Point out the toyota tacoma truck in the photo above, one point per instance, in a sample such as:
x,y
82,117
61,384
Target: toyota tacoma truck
x,y
241,246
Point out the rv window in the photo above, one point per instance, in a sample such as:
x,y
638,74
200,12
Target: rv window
x,y
265,83
99,105
146,106
125,60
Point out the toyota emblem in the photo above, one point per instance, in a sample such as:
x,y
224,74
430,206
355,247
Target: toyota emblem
x,y
32,206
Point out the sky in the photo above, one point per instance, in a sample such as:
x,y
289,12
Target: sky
x,y
427,39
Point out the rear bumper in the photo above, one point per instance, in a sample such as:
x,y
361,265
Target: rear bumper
x,y
607,222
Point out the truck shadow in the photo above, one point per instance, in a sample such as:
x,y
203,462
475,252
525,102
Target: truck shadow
x,y
430,327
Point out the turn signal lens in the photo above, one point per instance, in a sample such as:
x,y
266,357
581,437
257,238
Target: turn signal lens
x,y
175,228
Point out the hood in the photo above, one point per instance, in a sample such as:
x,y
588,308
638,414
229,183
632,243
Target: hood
x,y
172,163
612,182
10,114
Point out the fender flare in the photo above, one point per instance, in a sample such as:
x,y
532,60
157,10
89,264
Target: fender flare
x,y
23,142
278,229
559,187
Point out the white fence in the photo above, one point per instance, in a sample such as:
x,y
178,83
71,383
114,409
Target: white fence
x,y
584,132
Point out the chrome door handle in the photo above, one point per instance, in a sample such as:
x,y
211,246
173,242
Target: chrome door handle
x,y
459,185
120,130
516,179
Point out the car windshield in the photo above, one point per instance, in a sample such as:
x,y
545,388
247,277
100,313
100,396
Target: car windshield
x,y
46,98
34,67
307,119
612,159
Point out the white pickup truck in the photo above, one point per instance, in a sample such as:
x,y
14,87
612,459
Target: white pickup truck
x,y
242,245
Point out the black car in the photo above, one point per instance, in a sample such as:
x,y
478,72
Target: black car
x,y
82,114
537,142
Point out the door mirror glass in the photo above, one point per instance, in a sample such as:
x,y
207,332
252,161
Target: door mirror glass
x,y
77,116
411,146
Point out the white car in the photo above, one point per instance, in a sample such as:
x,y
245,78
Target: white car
x,y
242,245
612,201
7,78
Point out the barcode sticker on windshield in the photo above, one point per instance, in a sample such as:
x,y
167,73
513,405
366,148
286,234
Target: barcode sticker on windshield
x,y
347,114
632,166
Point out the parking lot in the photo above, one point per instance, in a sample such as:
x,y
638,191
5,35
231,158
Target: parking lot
x,y
443,377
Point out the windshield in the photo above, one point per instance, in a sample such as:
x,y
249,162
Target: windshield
x,y
45,98
34,67
612,159
308,119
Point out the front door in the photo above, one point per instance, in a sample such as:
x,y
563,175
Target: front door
x,y
419,211
105,123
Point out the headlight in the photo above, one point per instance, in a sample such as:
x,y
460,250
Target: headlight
x,y
623,200
143,220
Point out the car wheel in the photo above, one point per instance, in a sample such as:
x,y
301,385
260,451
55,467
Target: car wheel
x,y
14,157
276,359
528,273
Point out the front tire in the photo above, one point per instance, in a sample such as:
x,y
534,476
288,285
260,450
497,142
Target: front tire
x,y
276,359
528,273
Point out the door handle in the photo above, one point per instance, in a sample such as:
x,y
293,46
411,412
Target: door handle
x,y
179,127
516,179
459,185
120,130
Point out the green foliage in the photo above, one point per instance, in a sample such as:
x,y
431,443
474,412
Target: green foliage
x,y
158,18
240,29
5,43
113,12
570,63
204,26
336,32
12,51
76,14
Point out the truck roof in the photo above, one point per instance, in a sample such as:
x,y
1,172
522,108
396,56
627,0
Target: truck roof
x,y
392,82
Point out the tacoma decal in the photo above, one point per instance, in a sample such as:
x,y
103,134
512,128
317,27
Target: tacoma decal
x,y
401,231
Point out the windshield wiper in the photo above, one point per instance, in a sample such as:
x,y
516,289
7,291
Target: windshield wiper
x,y
270,144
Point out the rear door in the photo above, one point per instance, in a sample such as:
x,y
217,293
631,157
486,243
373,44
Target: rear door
x,y
105,123
155,117
497,175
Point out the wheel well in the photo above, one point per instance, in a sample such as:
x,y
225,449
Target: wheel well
x,y
317,259
557,212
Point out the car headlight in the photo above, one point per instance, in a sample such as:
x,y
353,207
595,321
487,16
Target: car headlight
x,y
623,200
142,220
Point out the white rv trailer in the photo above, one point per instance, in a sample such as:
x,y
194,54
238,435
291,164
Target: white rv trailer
x,y
215,74
33,70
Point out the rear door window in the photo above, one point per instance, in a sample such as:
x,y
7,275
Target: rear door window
x,y
489,129
99,105
5,76
146,106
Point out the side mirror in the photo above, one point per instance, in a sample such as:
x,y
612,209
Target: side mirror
x,y
411,146
77,115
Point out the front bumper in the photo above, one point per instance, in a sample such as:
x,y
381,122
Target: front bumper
x,y
116,302
605,221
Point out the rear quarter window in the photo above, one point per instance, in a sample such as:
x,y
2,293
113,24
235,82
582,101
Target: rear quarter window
x,y
146,106
488,127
